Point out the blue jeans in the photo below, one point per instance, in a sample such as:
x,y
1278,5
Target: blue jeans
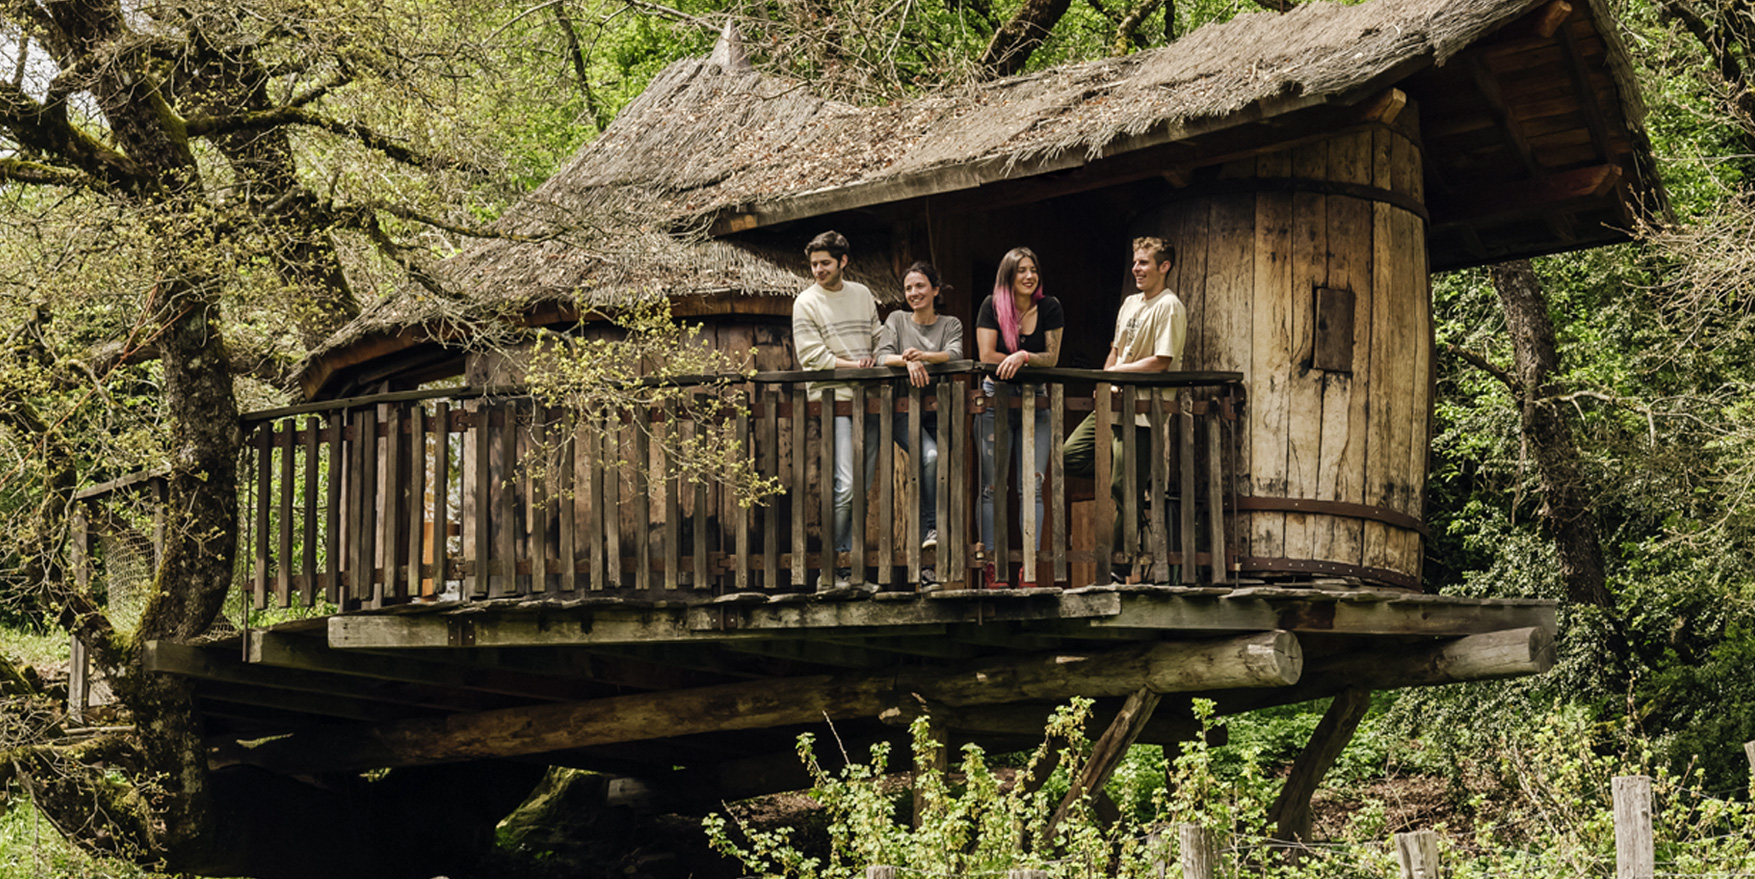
x,y
844,475
928,465
1001,393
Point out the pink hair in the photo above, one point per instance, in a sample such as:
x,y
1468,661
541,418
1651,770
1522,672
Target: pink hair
x,y
1004,302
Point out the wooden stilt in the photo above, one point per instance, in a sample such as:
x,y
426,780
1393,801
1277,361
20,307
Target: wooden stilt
x,y
1291,811
1107,751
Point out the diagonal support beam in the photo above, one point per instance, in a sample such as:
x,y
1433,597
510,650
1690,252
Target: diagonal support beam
x,y
1291,811
1107,751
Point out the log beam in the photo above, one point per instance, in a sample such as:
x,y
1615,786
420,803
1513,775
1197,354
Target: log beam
x,y
1508,654
1269,659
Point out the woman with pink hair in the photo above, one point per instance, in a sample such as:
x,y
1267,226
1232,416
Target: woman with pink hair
x,y
1017,326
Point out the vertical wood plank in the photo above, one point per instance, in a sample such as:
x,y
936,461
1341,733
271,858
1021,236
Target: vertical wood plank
x,y
670,473
1059,517
827,559
1341,465
389,507
570,500
1158,506
610,446
440,550
369,501
1385,351
1216,498
539,465
949,530
770,398
1309,270
641,488
1230,297
886,467
332,564
911,504
417,495
1271,341
857,538
284,549
1130,479
799,502
592,447
263,442
1027,488
1186,484
741,577
506,483
308,524
482,516
703,513
1003,397
1104,447
960,494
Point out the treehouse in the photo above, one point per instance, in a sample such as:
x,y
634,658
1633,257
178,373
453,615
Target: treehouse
x,y
498,576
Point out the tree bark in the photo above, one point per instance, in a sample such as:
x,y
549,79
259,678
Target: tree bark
x,y
1018,38
1565,498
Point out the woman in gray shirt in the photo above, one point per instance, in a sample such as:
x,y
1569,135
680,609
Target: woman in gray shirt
x,y
913,339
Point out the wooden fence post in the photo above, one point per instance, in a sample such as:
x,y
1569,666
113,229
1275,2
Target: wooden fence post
x,y
880,871
1418,854
1199,859
1749,751
1635,857
1026,874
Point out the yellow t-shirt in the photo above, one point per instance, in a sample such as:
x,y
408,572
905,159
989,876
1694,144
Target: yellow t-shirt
x,y
1151,328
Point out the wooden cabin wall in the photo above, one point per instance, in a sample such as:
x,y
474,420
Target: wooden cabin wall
x,y
1267,268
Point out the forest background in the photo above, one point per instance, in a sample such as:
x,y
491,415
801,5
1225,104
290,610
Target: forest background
x,y
194,193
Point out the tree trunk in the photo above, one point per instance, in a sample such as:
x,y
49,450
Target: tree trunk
x,y
1565,498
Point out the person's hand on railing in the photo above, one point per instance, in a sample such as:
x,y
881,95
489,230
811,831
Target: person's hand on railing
x,y
1011,364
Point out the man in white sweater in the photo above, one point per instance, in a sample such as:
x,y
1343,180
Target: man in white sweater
x,y
835,326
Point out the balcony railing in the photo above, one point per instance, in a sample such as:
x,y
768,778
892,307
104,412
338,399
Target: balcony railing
x,y
469,494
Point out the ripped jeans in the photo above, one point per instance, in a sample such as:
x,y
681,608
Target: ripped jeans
x,y
1002,392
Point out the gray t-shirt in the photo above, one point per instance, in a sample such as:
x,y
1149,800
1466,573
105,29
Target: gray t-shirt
x,y
901,333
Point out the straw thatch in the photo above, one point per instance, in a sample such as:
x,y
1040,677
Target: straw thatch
x,y
710,136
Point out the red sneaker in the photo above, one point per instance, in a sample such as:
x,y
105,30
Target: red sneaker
x,y
990,580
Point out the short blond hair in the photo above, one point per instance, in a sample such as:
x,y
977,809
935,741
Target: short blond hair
x,y
1160,249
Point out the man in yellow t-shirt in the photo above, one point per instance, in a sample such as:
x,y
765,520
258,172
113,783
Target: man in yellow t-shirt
x,y
1149,333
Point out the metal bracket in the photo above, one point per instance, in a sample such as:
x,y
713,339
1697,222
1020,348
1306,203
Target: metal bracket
x,y
459,632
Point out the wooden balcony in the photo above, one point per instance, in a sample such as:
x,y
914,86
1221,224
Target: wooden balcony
x,y
471,494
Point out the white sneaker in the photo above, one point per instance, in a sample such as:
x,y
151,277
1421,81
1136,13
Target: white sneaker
x,y
931,540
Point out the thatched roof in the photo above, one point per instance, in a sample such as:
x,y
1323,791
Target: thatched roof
x,y
712,145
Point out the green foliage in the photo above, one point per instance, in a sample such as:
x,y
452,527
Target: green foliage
x,y
30,848
677,369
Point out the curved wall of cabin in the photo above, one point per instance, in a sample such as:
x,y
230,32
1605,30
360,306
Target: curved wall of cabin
x,y
1306,270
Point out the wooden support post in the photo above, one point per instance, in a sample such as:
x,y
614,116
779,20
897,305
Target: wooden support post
x,y
1291,810
938,760
880,871
78,680
1418,854
1198,853
1749,751
1107,751
1635,856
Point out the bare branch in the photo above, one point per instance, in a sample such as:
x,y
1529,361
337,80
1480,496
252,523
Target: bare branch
x,y
1480,362
213,126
